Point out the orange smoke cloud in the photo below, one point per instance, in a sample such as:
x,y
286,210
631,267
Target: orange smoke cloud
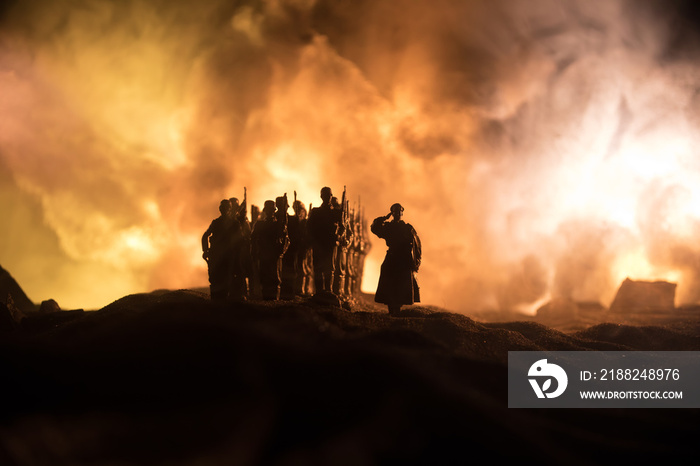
x,y
540,150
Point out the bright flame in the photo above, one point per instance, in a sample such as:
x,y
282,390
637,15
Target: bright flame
x,y
636,266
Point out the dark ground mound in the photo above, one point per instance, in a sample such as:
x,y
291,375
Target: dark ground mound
x,y
8,286
172,378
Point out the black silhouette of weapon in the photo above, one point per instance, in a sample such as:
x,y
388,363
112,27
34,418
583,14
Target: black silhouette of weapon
x,y
343,207
243,209
283,210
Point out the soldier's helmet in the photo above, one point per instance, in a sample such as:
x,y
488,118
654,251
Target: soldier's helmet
x,y
225,206
269,207
396,207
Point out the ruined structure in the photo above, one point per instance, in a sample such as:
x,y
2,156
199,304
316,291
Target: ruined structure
x,y
644,296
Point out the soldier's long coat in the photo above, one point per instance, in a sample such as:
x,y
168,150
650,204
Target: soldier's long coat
x,y
397,282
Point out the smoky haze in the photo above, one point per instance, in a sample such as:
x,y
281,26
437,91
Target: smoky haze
x,y
541,149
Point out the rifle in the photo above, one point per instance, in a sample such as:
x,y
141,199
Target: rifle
x,y
343,209
243,209
344,218
282,214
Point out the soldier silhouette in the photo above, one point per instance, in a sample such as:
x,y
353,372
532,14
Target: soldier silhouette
x,y
397,282
242,266
362,248
269,241
291,263
323,233
304,263
285,266
344,236
350,255
217,249
254,279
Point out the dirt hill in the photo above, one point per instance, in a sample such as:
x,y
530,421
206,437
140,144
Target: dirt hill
x,y
172,378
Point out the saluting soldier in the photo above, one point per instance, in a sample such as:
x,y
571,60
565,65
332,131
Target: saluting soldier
x,y
397,281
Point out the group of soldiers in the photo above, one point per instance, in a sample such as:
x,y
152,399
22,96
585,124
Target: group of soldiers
x,y
279,256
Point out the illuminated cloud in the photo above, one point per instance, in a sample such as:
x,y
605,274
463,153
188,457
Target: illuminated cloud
x,y
540,148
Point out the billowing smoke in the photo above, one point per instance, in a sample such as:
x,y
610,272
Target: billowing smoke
x,y
540,148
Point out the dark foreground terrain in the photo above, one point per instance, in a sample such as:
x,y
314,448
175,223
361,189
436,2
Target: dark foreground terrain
x,y
172,378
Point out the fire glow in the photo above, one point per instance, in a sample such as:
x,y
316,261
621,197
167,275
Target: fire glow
x,y
540,150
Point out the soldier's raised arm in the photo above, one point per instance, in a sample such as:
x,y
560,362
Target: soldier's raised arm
x,y
378,224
